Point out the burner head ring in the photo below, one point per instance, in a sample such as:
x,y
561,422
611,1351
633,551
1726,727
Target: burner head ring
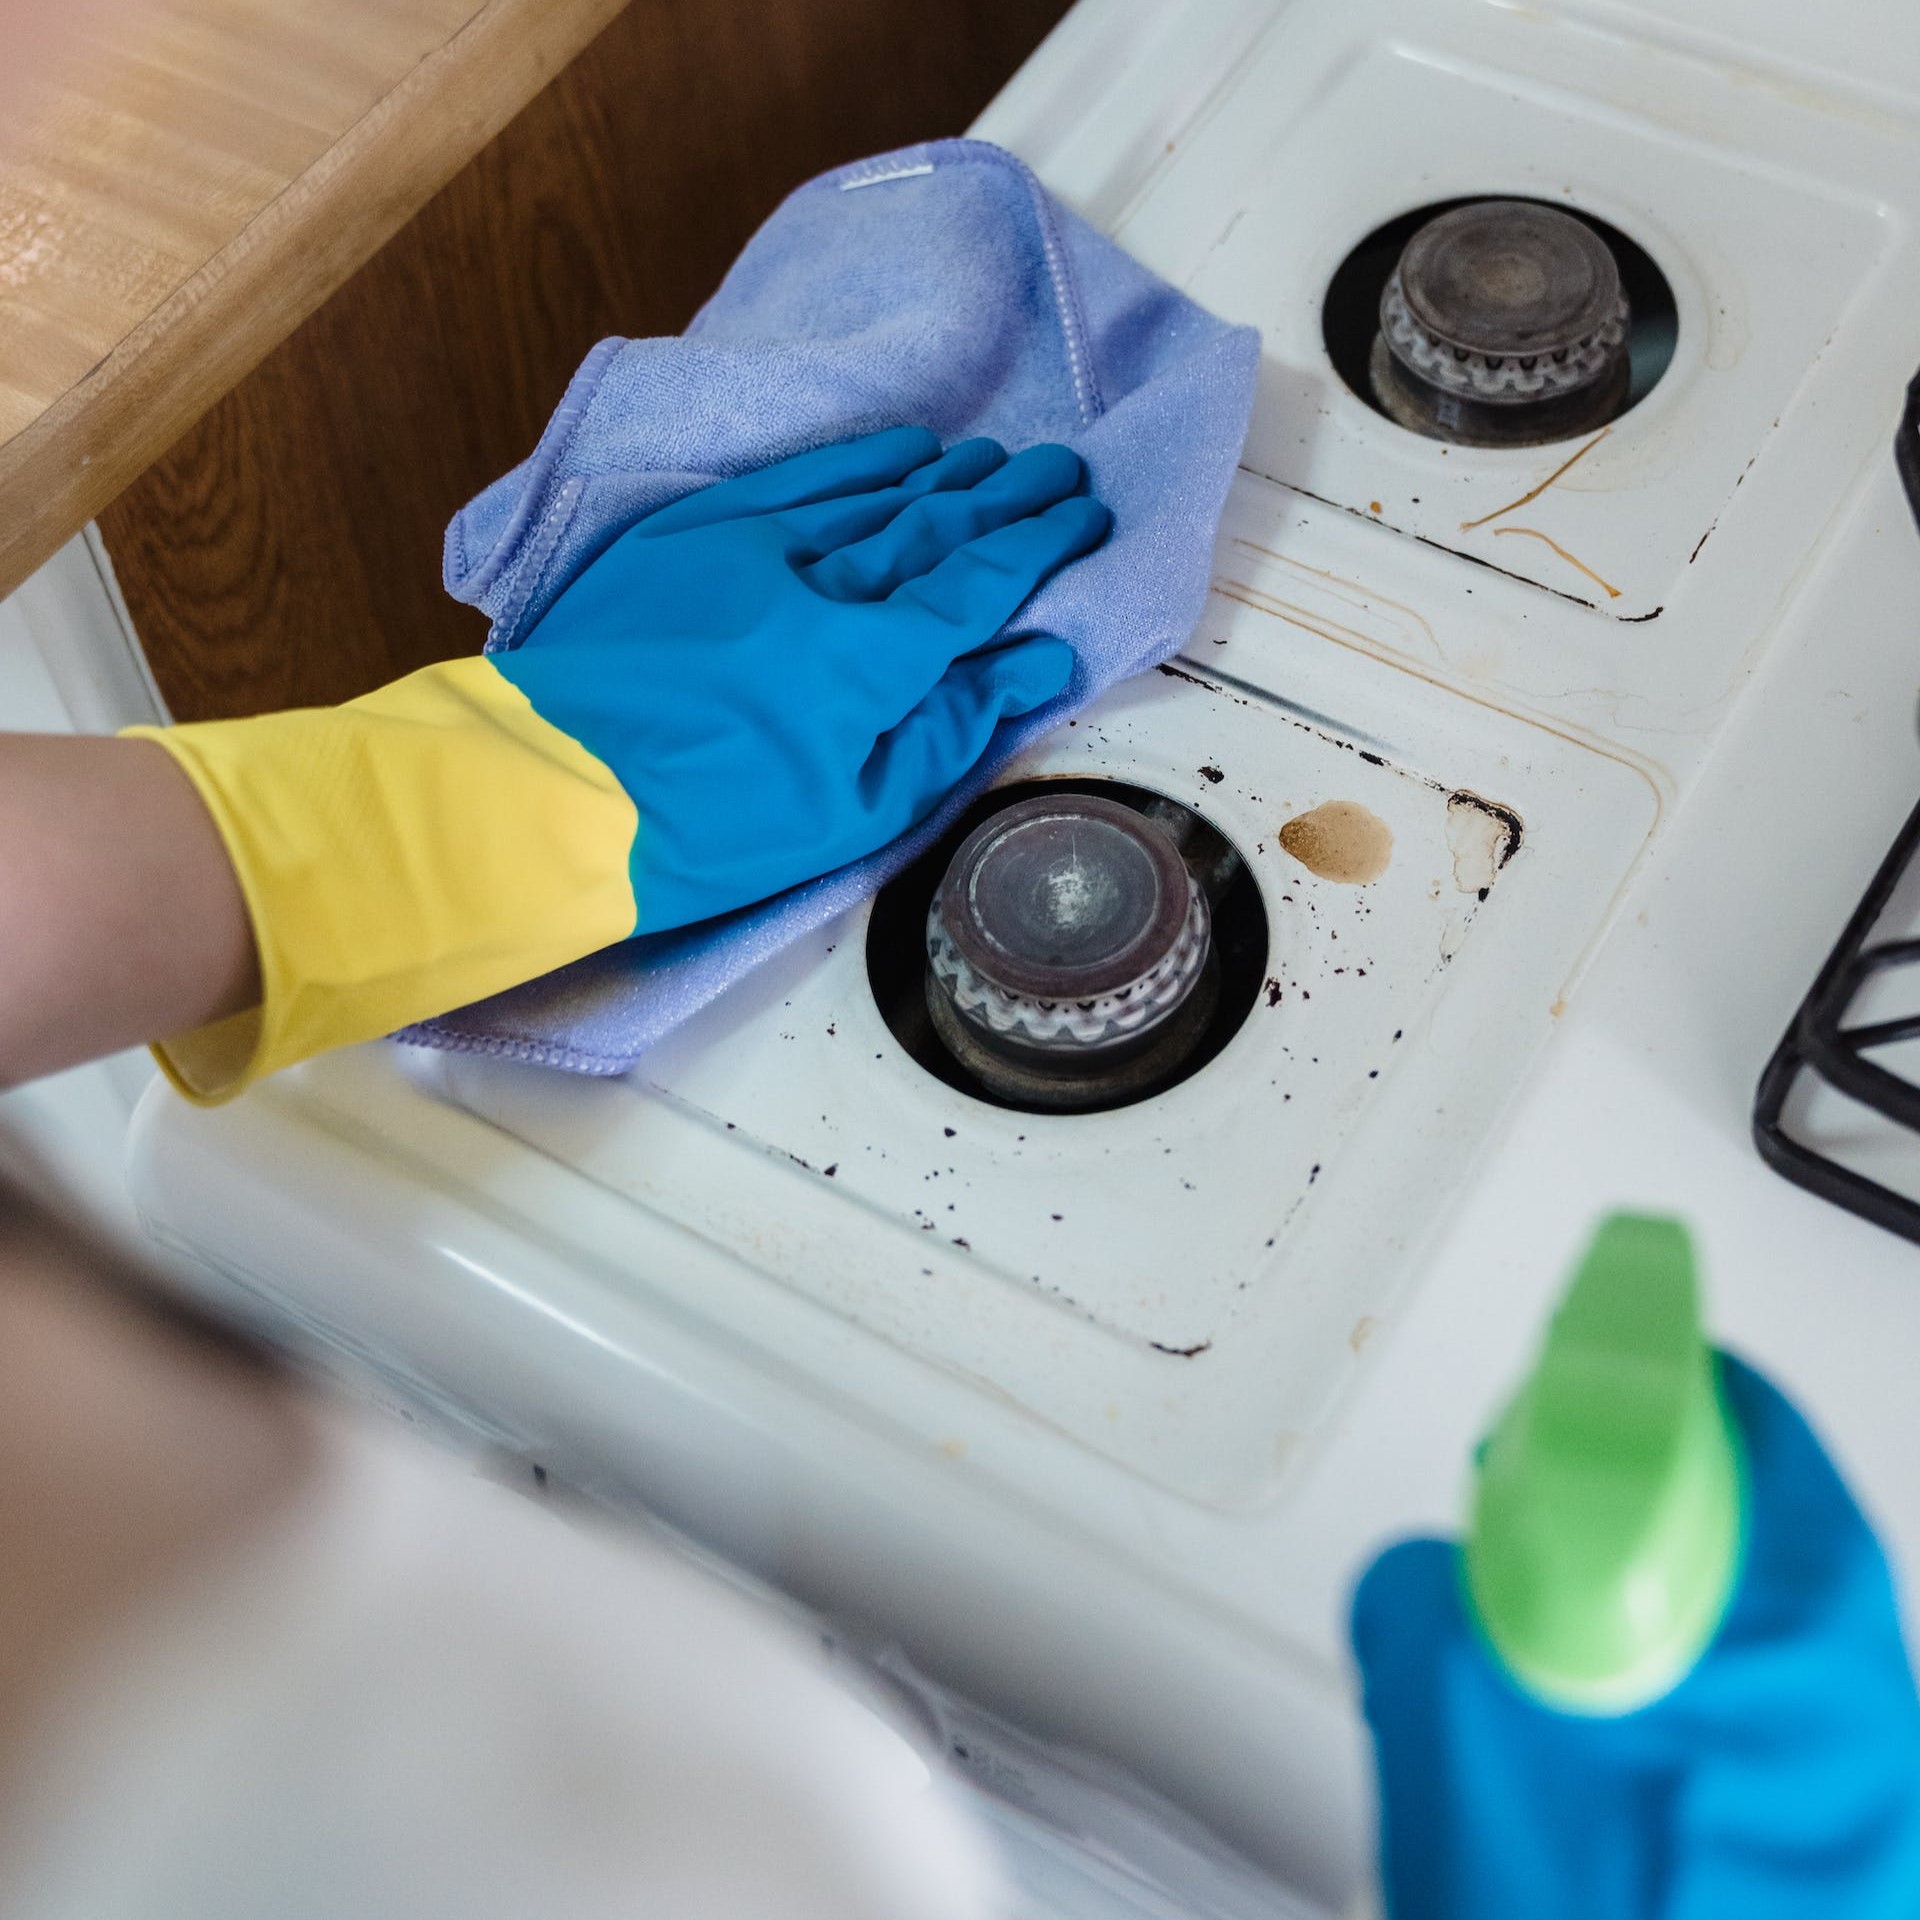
x,y
1505,302
1067,926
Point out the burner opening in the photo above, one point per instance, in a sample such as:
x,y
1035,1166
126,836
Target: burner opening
x,y
1069,946
1499,322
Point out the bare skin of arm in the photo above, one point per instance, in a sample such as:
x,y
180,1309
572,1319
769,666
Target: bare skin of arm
x,y
131,1449
128,1449
120,918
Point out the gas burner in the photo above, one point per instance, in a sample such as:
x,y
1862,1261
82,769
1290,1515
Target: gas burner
x,y
1071,946
1070,953
1504,324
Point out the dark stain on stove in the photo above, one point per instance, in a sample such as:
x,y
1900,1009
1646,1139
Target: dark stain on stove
x,y
1640,619
1213,774
949,1131
1176,673
960,1241
830,1029
1273,992
1340,840
1513,828
1314,1173
1181,1353
1372,759
832,1170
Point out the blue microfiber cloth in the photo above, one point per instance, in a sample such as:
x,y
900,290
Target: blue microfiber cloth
x,y
940,286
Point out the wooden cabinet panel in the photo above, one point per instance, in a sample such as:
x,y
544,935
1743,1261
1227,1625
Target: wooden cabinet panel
x,y
286,551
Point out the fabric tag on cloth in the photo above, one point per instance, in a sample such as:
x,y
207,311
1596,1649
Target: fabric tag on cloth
x,y
940,286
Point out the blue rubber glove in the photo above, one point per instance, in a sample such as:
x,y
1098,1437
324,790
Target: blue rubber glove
x,y
1779,1778
786,670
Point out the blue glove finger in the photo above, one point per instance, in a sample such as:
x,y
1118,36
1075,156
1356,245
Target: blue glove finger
x,y
828,524
827,473
912,767
974,592
927,532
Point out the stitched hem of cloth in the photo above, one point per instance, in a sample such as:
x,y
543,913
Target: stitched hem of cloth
x,y
1066,296
499,1046
524,579
471,582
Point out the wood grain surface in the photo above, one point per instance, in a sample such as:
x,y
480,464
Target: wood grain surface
x,y
287,550
202,178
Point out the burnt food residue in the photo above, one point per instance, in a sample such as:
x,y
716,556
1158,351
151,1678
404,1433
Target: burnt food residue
x,y
1340,840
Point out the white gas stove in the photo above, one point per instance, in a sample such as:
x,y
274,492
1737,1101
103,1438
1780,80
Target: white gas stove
x,y
1100,1414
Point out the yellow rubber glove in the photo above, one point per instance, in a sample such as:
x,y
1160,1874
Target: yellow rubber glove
x,y
426,845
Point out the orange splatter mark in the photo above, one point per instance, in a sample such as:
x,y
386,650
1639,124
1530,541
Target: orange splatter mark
x,y
1467,526
1580,566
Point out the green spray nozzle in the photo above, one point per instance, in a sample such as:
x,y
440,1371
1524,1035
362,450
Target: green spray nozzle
x,y
1607,1512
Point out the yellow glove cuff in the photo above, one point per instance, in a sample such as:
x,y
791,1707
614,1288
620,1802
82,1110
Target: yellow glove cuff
x,y
421,847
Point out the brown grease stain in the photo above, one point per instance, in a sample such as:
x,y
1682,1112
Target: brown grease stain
x,y
1534,493
1580,566
1340,840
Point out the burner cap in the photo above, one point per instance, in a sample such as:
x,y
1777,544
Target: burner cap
x,y
1507,306
1067,925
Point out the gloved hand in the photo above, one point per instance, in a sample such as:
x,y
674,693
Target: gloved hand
x,y
782,671
1778,1778
750,687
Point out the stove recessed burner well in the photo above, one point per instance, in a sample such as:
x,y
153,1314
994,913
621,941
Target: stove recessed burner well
x,y
1499,323
1075,946
1504,324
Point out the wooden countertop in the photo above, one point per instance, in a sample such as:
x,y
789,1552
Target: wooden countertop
x,y
192,187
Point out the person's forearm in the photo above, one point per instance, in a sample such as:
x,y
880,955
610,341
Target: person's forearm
x,y
120,917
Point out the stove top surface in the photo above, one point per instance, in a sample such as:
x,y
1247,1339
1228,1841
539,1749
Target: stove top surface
x,y
1132,1391
1510,661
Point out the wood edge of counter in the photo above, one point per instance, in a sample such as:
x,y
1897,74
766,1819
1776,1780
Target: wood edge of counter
x,y
58,472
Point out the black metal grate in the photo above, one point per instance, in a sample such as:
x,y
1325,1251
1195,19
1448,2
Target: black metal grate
x,y
1820,1040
